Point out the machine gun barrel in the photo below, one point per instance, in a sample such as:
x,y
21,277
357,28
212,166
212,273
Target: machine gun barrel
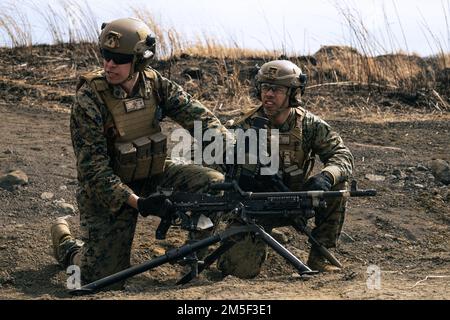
x,y
315,194
226,186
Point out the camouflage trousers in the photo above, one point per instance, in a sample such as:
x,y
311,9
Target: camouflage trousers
x,y
247,255
107,236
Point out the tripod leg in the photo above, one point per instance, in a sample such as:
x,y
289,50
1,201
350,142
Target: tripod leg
x,y
226,245
170,256
327,254
281,250
209,260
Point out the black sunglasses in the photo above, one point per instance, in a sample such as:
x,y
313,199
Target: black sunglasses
x,y
276,89
118,58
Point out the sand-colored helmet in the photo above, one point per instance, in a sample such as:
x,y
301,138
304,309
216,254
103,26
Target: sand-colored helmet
x,y
129,36
282,73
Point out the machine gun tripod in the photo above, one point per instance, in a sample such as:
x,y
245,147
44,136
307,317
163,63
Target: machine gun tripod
x,y
189,210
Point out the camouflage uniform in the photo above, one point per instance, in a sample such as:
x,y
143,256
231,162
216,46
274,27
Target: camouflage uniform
x,y
107,222
308,135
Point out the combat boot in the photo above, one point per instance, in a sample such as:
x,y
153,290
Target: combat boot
x,y
60,233
318,262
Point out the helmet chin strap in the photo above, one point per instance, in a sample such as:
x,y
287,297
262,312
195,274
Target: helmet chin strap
x,y
130,77
132,69
287,99
132,72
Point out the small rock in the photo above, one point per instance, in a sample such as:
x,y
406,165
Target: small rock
x,y
63,188
349,275
446,194
6,278
47,195
159,251
410,169
65,208
378,246
185,56
420,174
441,170
8,151
398,173
400,184
13,179
280,236
374,177
420,186
193,72
421,167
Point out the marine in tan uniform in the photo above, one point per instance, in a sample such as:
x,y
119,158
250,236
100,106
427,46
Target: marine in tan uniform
x,y
120,150
303,135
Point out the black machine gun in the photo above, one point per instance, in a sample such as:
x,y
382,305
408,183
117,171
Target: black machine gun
x,y
254,210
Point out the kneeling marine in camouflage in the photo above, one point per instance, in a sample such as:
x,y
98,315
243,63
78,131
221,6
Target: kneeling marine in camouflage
x,y
279,85
120,150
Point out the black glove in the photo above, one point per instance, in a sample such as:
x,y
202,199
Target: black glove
x,y
151,205
322,181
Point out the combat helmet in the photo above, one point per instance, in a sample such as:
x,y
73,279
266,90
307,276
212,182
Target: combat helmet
x,y
129,39
283,73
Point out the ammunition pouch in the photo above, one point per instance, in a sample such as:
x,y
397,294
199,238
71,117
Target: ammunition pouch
x,y
141,158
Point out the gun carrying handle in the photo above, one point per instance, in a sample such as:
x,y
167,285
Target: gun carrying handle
x,y
230,186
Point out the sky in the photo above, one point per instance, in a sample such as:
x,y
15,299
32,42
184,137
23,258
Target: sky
x,y
297,26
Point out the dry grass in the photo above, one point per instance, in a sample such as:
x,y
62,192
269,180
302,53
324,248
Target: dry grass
x,y
342,64
67,21
172,43
367,62
380,62
15,26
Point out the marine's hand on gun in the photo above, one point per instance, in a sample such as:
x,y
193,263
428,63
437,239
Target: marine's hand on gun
x,y
151,204
322,181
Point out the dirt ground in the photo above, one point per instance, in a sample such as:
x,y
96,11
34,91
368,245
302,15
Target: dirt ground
x,y
403,232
